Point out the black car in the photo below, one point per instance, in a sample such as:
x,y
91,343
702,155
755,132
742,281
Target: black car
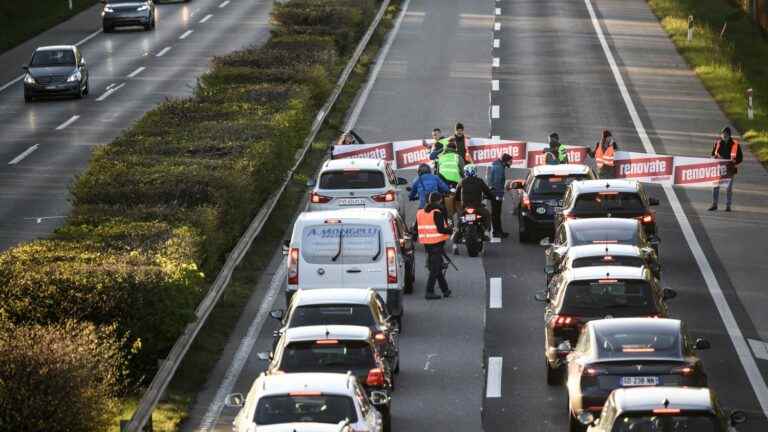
x,y
629,352
56,71
610,198
542,195
581,295
593,255
122,13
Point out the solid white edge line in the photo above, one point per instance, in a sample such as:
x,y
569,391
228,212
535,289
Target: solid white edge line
x,y
352,120
496,62
68,122
205,18
163,51
224,4
731,326
87,38
186,34
138,70
109,92
494,293
493,382
495,111
24,154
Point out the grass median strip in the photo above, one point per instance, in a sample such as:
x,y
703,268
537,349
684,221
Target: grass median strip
x,y
728,65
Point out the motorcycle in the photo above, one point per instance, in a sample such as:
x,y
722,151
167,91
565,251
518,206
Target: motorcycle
x,y
470,232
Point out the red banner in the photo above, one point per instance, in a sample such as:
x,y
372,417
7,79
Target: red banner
x,y
576,155
487,153
645,167
411,156
379,151
701,173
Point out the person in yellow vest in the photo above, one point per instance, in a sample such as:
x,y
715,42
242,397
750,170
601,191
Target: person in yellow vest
x,y
728,148
432,230
604,154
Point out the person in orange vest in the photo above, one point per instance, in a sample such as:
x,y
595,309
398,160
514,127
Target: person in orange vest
x,y
728,148
604,153
432,231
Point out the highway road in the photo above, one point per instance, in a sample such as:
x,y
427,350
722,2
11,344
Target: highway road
x,y
131,72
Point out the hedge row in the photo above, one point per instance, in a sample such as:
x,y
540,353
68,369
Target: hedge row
x,y
157,210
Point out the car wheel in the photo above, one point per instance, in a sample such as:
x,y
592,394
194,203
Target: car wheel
x,y
554,375
386,418
523,231
410,278
87,88
106,29
397,365
575,425
27,97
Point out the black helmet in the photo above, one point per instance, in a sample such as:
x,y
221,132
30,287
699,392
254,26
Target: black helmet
x,y
424,169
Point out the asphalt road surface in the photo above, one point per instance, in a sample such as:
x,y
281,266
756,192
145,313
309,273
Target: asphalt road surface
x,y
131,72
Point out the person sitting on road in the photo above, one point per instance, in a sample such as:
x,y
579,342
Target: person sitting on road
x,y
426,183
471,192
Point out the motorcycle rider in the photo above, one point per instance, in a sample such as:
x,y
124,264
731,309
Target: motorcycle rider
x,y
426,183
557,153
470,192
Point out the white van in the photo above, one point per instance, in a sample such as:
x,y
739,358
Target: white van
x,y
352,248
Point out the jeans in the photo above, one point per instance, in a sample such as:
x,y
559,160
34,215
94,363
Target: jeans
x,y
435,265
496,215
728,193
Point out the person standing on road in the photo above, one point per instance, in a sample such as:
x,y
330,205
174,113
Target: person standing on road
x,y
437,145
728,148
557,153
604,154
426,183
432,230
462,142
498,185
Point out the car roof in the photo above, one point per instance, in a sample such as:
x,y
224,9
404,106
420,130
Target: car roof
x,y
320,332
606,272
592,250
307,297
564,169
605,185
56,48
354,214
650,398
628,222
354,163
295,382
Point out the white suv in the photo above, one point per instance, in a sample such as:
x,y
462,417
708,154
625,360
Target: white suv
x,y
344,183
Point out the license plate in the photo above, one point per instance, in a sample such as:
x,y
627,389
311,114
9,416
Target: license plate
x,y
52,87
352,201
470,217
639,381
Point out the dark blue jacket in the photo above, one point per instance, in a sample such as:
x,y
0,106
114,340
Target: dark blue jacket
x,y
498,178
423,185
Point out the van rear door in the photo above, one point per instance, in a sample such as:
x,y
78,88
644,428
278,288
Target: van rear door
x,y
321,259
363,257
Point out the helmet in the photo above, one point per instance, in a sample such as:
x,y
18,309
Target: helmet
x,y
424,169
470,171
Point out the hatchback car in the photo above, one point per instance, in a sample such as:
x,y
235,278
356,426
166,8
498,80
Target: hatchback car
x,y
344,183
336,349
122,13
315,402
592,255
358,307
610,198
629,352
542,195
662,409
58,70
581,295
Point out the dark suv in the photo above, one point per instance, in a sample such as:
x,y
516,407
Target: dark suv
x,y
128,13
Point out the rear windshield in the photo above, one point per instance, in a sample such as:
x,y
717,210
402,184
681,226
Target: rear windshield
x,y
304,409
321,356
638,342
604,234
359,315
667,423
53,58
341,244
608,201
353,179
594,298
628,261
553,184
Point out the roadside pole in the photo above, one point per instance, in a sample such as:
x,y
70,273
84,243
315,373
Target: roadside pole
x,y
750,108
690,28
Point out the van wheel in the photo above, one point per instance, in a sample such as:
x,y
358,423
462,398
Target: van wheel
x,y
554,375
524,232
386,418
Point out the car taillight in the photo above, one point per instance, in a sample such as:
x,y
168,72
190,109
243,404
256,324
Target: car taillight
x,y
469,210
684,370
380,338
293,266
594,371
647,218
316,198
561,321
569,216
375,378
526,201
385,197
391,265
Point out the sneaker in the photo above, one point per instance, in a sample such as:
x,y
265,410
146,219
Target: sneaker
x,y
455,249
713,208
447,293
727,208
432,296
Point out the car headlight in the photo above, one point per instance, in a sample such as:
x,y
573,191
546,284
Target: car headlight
x,y
29,79
75,76
143,8
108,9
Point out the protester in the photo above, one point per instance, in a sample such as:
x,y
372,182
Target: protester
x,y
728,148
498,184
433,230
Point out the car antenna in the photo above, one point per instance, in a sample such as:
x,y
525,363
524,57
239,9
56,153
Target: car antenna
x,y
327,333
666,402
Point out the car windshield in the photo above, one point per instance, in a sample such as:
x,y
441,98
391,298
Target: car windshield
x,y
609,297
46,58
332,314
341,243
638,342
352,179
667,423
304,408
554,185
327,356
603,260
608,201
598,233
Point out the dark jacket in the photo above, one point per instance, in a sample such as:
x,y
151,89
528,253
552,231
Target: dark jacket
x,y
472,190
461,148
498,178
725,151
423,185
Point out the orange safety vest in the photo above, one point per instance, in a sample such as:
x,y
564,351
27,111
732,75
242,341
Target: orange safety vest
x,y
734,148
604,158
428,233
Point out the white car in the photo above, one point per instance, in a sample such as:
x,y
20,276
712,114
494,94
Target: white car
x,y
344,183
311,402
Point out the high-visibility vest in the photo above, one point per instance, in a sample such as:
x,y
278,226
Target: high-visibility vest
x,y
604,157
562,154
448,166
428,233
734,148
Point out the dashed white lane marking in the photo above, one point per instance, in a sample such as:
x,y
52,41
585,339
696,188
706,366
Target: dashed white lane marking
x,y
496,239
109,92
495,85
494,293
726,314
495,111
68,122
23,154
206,18
496,43
496,26
493,383
163,51
224,4
497,11
496,62
759,348
139,70
186,34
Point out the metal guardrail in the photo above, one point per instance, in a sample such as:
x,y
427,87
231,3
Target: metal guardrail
x,y
169,366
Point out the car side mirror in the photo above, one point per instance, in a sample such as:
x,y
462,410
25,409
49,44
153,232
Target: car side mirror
x,y
401,181
545,242
277,314
379,398
738,417
702,344
668,294
542,296
586,418
234,400
653,201
564,347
